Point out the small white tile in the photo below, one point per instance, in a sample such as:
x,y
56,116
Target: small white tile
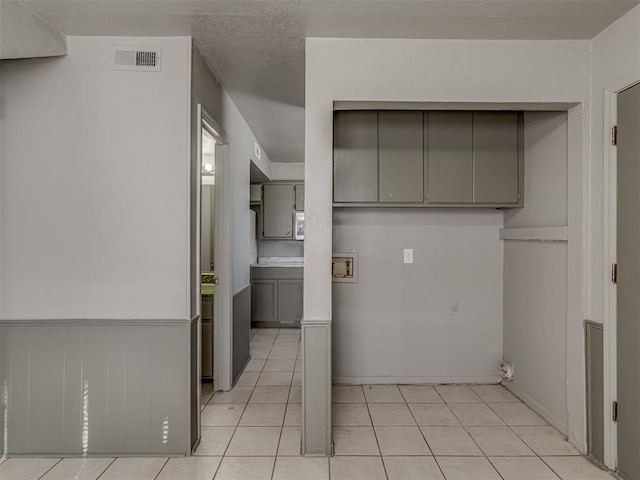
x,y
128,468
522,468
248,379
293,417
382,394
277,365
357,468
475,414
285,332
467,468
401,441
214,440
237,394
26,468
420,394
78,469
450,441
283,354
222,415
270,395
545,441
457,394
412,468
263,415
494,394
290,441
295,395
245,468
517,414
301,468
267,332
193,468
576,468
499,441
255,365
433,414
274,379
254,442
391,414
350,414
260,352
354,441
347,394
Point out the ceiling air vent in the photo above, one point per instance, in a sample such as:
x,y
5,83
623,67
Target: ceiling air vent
x,y
134,59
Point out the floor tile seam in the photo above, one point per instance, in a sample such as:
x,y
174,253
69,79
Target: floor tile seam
x,y
550,467
103,472
372,425
235,429
162,468
462,456
466,428
51,467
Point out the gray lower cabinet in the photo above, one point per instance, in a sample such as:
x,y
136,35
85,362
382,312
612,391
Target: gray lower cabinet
x,y
277,210
277,296
264,305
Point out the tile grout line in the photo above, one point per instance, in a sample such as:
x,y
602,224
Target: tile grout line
x,y
162,468
51,468
103,472
375,433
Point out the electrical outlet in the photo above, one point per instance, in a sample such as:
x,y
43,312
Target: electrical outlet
x,y
408,255
453,308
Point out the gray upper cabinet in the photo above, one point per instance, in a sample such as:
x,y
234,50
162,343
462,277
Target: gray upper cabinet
x,y
449,156
299,189
496,157
442,158
277,211
400,156
355,157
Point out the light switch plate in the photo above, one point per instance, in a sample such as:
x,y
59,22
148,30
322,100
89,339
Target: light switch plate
x,y
408,255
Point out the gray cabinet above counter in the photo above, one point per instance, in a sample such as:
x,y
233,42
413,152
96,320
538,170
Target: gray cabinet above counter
x,y
436,159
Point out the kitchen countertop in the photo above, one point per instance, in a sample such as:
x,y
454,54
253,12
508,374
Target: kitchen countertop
x,y
279,262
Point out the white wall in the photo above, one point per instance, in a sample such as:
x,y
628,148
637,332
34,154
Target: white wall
x,y
535,273
207,90
24,35
616,65
394,325
287,171
76,247
443,71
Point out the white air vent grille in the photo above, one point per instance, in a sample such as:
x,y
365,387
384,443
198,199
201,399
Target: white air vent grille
x,y
133,59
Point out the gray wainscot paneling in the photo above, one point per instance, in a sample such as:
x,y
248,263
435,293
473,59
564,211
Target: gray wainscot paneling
x,y
241,330
595,389
96,387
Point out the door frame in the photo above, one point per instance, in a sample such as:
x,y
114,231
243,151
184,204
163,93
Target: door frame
x,y
610,236
223,254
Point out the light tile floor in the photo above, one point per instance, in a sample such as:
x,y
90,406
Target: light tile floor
x,y
386,432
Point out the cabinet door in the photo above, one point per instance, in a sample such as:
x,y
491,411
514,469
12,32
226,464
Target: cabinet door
x,y
264,304
401,156
289,301
277,213
495,157
299,187
207,349
355,156
449,156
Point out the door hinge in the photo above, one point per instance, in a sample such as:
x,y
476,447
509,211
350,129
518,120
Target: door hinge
x,y
614,273
614,135
614,411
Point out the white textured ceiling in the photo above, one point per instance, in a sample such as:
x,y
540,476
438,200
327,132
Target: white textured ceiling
x,y
256,47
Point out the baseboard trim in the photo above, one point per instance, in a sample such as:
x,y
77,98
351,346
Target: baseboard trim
x,y
414,380
539,409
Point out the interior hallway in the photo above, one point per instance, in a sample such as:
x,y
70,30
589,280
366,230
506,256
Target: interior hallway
x,y
451,432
